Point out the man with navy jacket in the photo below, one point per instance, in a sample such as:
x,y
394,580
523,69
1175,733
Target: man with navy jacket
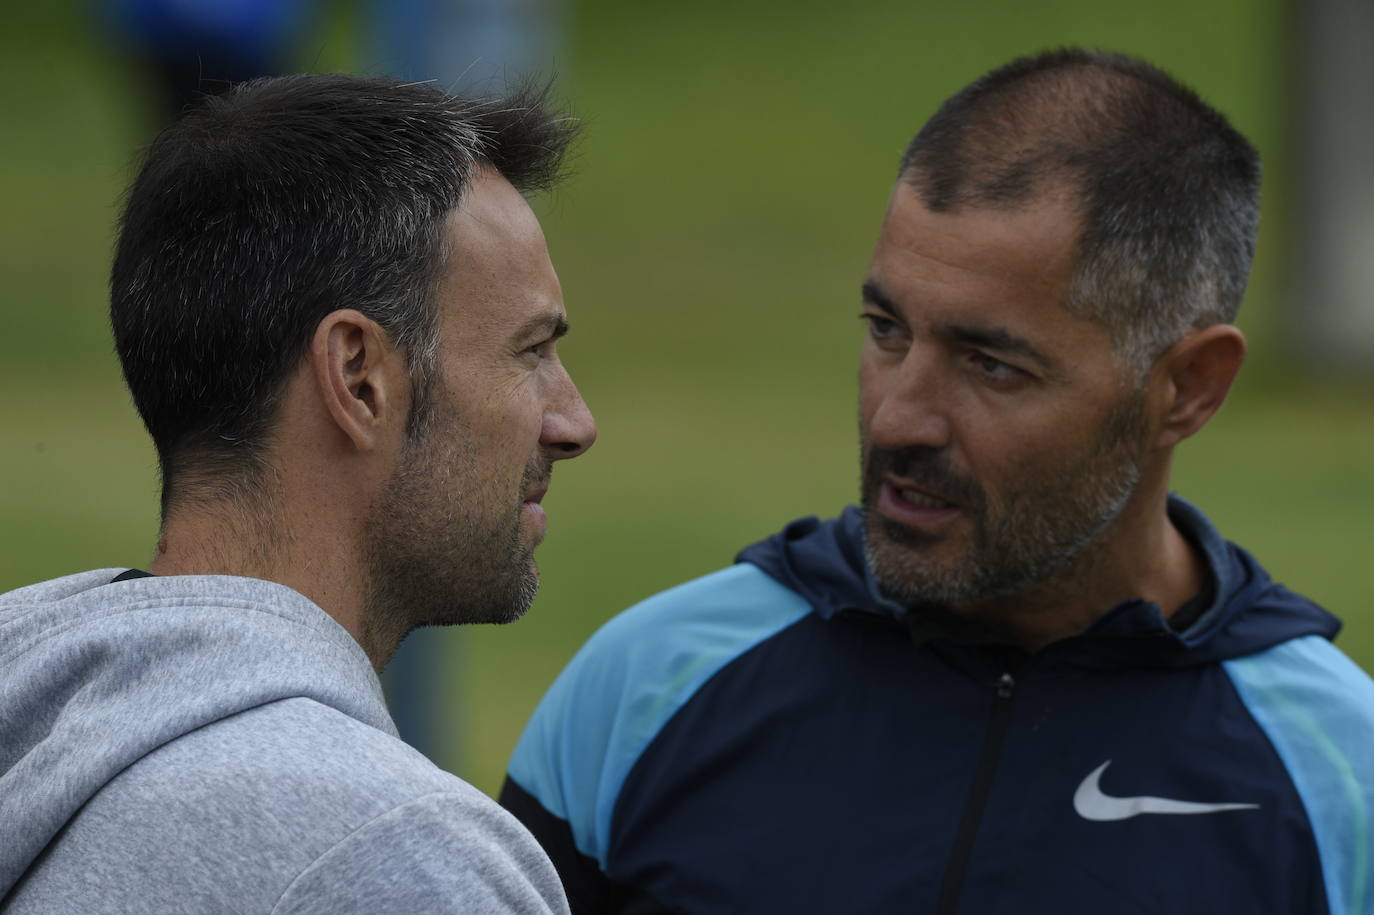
x,y
1022,677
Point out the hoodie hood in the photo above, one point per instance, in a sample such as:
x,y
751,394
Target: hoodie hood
x,y
824,562
96,674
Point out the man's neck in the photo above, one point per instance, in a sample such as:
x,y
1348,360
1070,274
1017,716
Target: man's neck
x,y
221,540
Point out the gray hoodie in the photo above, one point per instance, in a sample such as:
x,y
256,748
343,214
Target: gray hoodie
x,y
219,744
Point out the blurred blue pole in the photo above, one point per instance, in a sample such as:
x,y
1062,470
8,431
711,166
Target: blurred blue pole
x,y
414,685
471,47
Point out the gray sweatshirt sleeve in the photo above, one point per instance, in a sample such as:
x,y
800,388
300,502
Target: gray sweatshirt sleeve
x,y
439,853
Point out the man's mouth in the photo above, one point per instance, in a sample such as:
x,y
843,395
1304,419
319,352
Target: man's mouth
x,y
921,499
901,502
533,513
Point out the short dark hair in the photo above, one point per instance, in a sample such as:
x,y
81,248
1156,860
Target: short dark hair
x,y
265,209
1167,190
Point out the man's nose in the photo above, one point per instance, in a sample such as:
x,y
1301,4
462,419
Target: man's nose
x,y
569,428
910,404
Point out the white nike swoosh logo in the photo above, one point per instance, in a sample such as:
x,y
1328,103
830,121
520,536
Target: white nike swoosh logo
x,y
1091,804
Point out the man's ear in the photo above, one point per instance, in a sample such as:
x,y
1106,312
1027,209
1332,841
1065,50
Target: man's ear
x,y
359,377
1195,375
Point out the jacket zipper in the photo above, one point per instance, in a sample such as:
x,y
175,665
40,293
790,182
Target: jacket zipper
x,y
999,723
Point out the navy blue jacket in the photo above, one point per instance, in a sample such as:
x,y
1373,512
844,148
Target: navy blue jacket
x,y
775,737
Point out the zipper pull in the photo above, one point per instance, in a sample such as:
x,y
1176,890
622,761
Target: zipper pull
x,y
1005,685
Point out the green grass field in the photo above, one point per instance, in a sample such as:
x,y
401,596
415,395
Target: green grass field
x,y
734,170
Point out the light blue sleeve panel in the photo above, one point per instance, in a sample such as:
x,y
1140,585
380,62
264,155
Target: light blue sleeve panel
x,y
1317,708
628,680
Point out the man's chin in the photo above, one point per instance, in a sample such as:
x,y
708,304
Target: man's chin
x,y
519,596
908,570
898,536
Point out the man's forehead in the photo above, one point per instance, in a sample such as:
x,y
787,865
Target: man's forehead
x,y
980,251
492,214
986,271
1048,224
497,277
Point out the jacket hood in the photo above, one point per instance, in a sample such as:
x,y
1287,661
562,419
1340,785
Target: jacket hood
x,y
824,562
96,674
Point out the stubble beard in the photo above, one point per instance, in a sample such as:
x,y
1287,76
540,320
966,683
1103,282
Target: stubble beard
x,y
1044,524
441,549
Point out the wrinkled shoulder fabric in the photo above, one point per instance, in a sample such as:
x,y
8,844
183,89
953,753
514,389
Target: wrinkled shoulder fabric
x,y
216,744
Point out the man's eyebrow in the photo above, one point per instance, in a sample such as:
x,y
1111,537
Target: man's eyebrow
x,y
999,339
873,295
552,324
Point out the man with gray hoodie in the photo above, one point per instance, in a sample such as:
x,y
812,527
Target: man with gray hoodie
x,y
337,318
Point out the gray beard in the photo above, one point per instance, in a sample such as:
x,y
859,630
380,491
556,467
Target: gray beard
x,y
1044,528
1000,563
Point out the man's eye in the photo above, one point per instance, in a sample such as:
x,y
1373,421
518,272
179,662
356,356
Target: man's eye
x,y
879,327
995,368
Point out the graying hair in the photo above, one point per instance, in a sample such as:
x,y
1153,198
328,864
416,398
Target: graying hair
x,y
1167,190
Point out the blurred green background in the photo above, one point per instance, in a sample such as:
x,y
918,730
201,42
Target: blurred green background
x,y
734,170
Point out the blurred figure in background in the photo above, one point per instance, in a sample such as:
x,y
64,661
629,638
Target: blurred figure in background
x,y
469,46
338,320
188,48
1023,676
